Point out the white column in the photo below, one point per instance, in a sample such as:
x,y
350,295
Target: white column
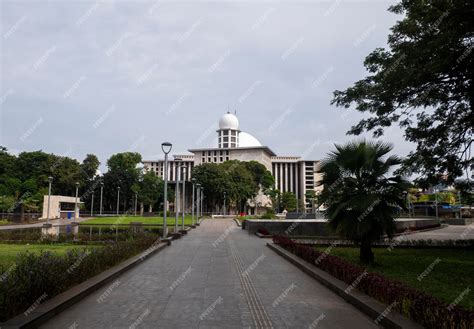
x,y
291,177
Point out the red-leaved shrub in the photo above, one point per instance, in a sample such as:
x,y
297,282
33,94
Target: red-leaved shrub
x,y
419,306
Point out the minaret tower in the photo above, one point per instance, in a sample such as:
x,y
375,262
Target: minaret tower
x,y
228,133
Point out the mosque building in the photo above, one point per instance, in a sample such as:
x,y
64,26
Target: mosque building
x,y
291,173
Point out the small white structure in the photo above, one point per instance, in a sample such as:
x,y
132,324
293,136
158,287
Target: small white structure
x,y
61,207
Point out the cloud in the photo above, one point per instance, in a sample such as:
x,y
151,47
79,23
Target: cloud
x,y
144,56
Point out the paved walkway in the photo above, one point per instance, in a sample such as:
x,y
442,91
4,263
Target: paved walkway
x,y
216,277
450,232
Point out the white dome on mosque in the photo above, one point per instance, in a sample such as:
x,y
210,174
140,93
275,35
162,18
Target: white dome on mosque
x,y
247,140
229,121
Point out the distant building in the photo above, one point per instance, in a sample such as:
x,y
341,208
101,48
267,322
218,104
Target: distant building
x,y
292,173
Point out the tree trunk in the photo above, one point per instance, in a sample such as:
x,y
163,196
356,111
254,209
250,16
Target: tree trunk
x,y
366,255
150,208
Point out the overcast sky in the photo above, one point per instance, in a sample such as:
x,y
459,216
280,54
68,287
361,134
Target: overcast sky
x,y
106,77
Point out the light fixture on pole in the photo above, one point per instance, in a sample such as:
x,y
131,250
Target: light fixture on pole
x,y
101,195
193,181
202,197
224,202
198,201
436,202
118,199
176,193
184,195
136,201
166,147
50,179
75,205
92,204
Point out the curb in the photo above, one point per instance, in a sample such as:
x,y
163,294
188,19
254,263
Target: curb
x,y
58,303
367,305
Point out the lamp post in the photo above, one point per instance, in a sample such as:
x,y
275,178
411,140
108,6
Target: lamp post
x,y
436,202
75,206
50,179
118,199
166,147
101,196
224,202
193,181
202,197
136,201
198,201
460,204
184,196
176,193
92,204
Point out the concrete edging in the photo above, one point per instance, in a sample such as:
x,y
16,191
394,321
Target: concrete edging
x,y
58,303
367,305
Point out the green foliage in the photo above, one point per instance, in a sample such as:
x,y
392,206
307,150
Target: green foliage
x,y
288,201
269,214
423,82
360,196
239,180
50,274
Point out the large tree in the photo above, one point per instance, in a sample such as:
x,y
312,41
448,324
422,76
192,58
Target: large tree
x,y
360,196
423,82
124,172
239,180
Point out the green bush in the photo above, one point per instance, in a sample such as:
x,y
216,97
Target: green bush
x,y
269,214
35,275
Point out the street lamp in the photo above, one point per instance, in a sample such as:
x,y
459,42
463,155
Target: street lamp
x,y
202,197
184,196
75,206
118,199
92,204
136,201
50,179
166,147
224,202
198,201
101,195
436,202
193,181
176,193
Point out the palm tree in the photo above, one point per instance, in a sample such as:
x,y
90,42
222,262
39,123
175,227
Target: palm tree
x,y
360,195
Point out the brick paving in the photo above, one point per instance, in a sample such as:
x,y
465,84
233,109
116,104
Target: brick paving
x,y
216,277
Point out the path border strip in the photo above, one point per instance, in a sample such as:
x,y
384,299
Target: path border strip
x,y
362,302
256,307
64,300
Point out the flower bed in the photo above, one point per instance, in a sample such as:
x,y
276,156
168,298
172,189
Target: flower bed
x,y
48,274
421,307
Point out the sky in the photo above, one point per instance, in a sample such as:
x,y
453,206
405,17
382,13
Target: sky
x,y
103,77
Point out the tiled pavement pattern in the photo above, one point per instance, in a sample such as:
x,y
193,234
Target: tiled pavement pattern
x,y
216,277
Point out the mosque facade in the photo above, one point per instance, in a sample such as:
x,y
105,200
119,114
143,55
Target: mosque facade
x,y
292,173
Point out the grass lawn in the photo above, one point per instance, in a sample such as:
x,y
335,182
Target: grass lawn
x,y
8,252
144,220
449,277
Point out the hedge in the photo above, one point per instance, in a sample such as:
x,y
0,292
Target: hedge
x,y
419,306
36,275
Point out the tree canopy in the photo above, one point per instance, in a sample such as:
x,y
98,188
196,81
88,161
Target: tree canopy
x,y
423,82
360,197
239,181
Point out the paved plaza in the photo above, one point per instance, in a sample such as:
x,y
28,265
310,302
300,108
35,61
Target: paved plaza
x,y
216,277
449,232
